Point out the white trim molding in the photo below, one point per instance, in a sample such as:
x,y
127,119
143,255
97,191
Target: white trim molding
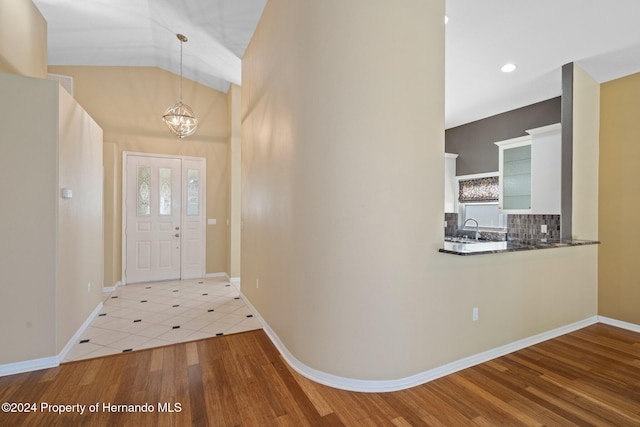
x,y
619,324
212,275
29,365
369,386
76,337
53,361
109,289
225,275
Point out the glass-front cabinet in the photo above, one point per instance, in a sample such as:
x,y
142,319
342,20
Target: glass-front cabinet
x,y
515,174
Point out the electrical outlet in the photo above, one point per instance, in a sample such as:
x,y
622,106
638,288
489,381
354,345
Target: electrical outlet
x,y
475,314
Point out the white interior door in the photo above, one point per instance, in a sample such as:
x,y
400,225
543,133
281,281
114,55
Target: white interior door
x,y
153,219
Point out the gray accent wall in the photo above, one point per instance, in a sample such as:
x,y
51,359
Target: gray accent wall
x,y
474,142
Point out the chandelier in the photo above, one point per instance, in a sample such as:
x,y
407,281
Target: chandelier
x,y
179,118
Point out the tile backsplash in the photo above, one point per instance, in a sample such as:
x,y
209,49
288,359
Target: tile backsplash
x,y
452,224
521,227
527,227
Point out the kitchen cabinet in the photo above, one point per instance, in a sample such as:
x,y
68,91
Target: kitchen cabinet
x,y
514,160
546,177
450,190
529,171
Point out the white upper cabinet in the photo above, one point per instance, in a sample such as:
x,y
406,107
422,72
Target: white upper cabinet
x,y
529,170
546,152
515,174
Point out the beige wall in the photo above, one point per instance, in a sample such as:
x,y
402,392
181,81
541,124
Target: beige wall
x,y
234,97
112,217
618,272
28,169
53,246
342,201
80,228
128,102
23,39
586,129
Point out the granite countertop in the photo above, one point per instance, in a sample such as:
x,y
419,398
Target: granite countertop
x,y
483,247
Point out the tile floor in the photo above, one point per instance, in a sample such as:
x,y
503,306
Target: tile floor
x,y
147,315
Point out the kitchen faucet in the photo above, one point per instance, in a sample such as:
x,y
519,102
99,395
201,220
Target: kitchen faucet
x,y
477,226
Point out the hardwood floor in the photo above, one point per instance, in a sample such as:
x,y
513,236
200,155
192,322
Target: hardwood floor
x,y
588,377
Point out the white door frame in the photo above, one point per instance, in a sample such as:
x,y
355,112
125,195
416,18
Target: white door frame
x,y
125,157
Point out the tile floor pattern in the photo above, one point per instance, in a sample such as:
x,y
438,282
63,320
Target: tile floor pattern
x,y
148,315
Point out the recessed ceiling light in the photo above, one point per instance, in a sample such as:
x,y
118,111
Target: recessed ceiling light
x,y
507,68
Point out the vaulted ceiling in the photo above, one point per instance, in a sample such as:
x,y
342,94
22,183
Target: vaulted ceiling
x,y
143,33
538,36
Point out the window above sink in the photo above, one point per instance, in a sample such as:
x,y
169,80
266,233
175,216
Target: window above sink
x,y
488,215
478,199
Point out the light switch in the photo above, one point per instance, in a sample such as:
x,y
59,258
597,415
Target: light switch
x,y
543,228
67,193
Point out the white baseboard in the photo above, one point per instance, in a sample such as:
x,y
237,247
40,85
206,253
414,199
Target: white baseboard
x,y
76,337
343,382
351,384
109,289
48,362
226,276
619,324
422,377
212,275
29,365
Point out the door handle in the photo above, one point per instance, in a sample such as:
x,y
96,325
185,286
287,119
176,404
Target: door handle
x,y
177,235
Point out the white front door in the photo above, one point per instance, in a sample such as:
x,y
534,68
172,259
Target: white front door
x,y
164,207
153,219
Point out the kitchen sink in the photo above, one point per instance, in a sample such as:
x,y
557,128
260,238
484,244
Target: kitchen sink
x,y
467,246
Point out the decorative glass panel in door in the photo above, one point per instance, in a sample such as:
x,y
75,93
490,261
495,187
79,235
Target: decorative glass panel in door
x,y
144,190
193,192
165,191
152,200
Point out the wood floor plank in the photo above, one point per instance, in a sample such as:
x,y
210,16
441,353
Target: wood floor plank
x,y
221,406
599,390
192,353
432,409
562,398
516,382
590,377
521,406
197,405
440,405
311,390
399,405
